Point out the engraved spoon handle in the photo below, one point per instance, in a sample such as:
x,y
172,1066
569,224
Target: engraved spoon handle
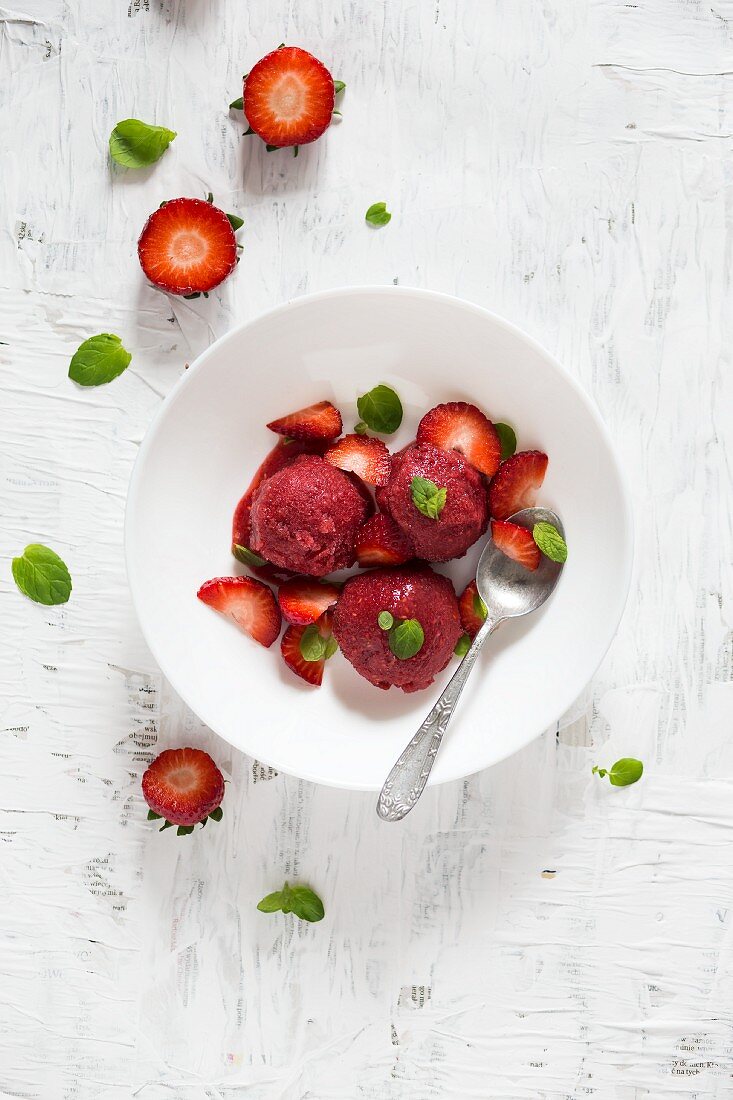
x,y
406,782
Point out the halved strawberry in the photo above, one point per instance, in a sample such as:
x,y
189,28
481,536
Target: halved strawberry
x,y
362,455
458,426
381,542
319,421
288,97
183,785
472,609
303,599
515,484
516,542
281,455
250,603
187,246
310,671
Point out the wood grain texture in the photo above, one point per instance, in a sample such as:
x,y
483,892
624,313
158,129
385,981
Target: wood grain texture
x,y
528,933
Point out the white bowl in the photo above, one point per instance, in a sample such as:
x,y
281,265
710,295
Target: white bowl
x,y
209,437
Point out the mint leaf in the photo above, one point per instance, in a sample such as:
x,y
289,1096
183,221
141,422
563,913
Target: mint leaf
x,y
237,104
380,410
300,900
247,556
406,639
361,428
378,214
625,772
99,360
306,904
507,438
331,647
338,86
135,144
462,645
385,620
312,645
550,542
427,497
271,903
235,221
41,575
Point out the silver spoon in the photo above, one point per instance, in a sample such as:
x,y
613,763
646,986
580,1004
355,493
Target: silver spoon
x,y
509,591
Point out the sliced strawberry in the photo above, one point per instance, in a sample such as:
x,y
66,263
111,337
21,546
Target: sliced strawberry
x,y
362,455
319,421
515,484
183,785
310,671
381,542
458,426
250,603
280,456
187,246
472,609
288,97
303,599
516,542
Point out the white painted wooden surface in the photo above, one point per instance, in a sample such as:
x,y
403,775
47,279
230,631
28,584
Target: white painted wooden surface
x,y
528,933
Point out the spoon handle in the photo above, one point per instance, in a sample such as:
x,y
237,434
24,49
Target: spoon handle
x,y
406,782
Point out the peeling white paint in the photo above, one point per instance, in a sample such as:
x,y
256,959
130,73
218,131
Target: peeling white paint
x,y
528,933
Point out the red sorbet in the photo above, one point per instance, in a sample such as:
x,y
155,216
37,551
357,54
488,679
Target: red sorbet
x,y
407,592
305,518
465,515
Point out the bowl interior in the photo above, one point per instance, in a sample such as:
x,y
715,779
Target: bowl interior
x,y
210,436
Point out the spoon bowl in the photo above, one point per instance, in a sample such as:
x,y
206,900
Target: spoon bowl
x,y
509,589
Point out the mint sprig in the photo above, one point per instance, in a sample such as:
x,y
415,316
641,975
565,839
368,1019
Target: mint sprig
x,y
378,214
312,645
136,144
507,439
623,773
550,542
406,639
99,360
303,902
380,409
41,575
427,497
385,620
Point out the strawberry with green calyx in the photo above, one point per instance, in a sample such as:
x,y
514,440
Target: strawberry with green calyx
x,y
183,787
